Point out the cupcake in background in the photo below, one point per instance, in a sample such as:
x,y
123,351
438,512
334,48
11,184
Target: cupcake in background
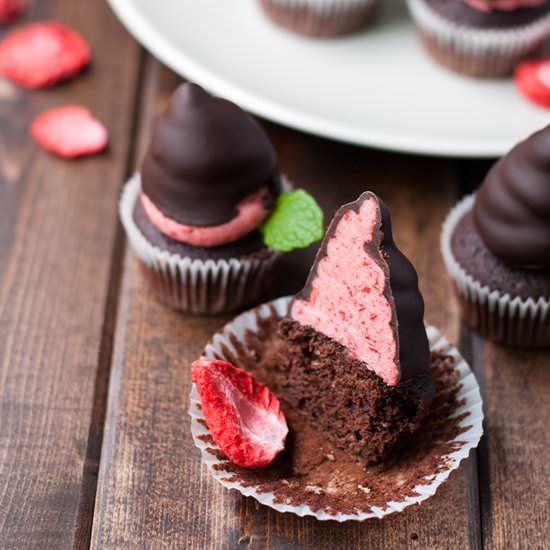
x,y
208,214
321,17
483,38
496,247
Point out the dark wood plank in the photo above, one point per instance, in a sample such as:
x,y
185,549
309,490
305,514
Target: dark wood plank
x,y
513,458
513,467
153,489
58,228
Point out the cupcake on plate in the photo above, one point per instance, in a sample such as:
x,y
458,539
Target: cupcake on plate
x,y
357,410
321,17
496,247
484,38
208,213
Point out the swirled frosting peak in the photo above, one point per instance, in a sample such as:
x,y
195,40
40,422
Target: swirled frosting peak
x,y
206,155
512,206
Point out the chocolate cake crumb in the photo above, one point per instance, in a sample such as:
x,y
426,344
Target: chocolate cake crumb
x,y
312,470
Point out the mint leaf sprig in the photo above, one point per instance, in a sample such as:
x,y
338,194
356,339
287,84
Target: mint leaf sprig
x,y
296,222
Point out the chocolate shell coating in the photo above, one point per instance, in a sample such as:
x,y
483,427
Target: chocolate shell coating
x,y
205,156
413,357
414,349
512,206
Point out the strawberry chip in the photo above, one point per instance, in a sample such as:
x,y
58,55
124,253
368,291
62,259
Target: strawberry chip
x,y
69,131
243,416
11,10
42,54
533,80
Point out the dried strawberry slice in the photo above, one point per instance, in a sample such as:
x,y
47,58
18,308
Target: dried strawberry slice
x,y
69,131
42,54
244,417
533,80
11,10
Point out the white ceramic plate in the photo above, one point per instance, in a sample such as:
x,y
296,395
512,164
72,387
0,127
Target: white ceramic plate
x,y
376,88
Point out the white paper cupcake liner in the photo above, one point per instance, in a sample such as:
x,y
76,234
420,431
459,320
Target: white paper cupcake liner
x,y
471,422
323,6
477,51
496,315
192,285
321,17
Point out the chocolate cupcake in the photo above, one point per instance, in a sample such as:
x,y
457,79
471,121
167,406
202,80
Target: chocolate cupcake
x,y
483,38
321,17
496,246
206,201
358,357
378,408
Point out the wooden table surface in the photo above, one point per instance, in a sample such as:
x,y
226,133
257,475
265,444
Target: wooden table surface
x,y
95,447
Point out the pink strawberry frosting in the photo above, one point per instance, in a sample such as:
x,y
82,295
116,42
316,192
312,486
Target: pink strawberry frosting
x,y
251,214
505,5
353,310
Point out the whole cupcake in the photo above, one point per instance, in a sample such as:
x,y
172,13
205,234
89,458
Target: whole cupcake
x,y
484,38
208,213
321,17
496,246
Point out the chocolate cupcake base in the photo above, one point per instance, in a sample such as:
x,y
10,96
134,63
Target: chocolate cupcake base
x,y
358,411
312,476
475,50
196,284
511,319
330,19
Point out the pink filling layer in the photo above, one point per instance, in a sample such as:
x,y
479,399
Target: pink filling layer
x,y
505,5
347,301
251,214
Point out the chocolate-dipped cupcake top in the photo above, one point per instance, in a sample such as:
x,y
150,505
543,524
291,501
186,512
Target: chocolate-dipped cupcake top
x,y
363,292
512,206
206,155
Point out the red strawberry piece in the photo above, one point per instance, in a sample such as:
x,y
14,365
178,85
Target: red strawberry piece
x,y
69,131
42,54
244,417
10,10
533,80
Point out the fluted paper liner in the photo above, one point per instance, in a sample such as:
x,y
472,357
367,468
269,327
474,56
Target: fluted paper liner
x,y
194,285
496,315
474,50
321,17
465,441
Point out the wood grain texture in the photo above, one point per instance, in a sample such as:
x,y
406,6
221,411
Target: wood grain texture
x,y
513,458
153,491
58,227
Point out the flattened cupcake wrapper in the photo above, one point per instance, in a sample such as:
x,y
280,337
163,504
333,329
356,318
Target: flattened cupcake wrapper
x,y
496,315
465,442
321,17
476,51
193,285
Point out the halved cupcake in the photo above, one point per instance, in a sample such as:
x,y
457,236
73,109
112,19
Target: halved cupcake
x,y
378,409
358,361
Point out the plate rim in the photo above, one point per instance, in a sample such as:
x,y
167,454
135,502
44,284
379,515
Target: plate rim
x,y
183,64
